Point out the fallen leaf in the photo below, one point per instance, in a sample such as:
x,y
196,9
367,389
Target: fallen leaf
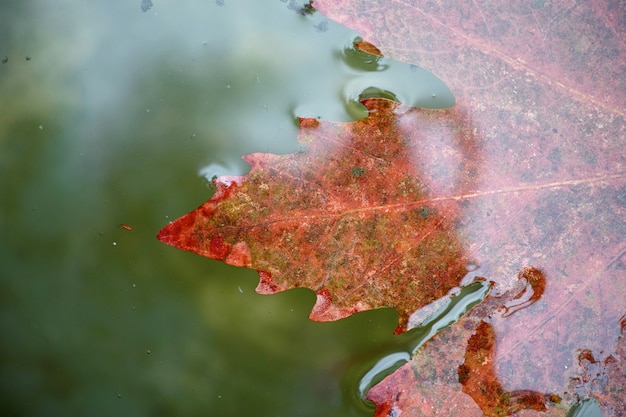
x,y
391,211
359,215
544,85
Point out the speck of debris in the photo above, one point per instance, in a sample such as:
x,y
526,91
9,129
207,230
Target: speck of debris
x,y
306,9
146,5
357,171
321,26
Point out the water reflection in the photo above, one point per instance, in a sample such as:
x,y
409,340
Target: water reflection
x,y
109,123
110,120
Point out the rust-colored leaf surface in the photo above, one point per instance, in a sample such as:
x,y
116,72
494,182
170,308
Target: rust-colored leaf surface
x,y
362,215
542,86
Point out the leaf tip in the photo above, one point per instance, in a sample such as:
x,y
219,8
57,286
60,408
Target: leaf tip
x,y
308,122
325,308
167,233
322,305
176,234
266,284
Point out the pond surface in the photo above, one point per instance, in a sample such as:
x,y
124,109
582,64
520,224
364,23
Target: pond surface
x,y
114,117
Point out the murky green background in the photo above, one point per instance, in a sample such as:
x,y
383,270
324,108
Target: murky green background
x,y
111,115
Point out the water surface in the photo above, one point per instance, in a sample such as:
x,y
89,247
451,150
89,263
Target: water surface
x,y
112,115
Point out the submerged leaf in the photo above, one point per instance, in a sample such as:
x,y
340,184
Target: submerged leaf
x,y
544,86
456,369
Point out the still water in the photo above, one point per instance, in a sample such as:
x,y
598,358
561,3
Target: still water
x,y
119,112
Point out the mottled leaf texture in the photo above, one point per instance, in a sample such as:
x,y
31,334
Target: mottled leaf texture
x,y
543,85
359,215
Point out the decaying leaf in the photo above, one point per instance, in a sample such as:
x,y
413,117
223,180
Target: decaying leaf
x,y
359,215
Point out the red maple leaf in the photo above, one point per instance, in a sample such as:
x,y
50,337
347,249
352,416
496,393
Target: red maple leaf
x,y
361,215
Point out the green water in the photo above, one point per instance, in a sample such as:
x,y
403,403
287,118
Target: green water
x,y
110,115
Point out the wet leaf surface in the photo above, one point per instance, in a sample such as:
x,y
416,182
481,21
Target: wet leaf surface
x,y
455,372
543,85
526,173
350,217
